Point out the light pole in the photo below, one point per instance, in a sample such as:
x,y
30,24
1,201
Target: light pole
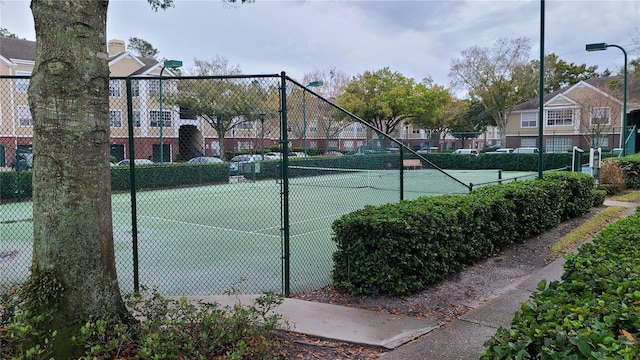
x,y
304,110
171,64
604,46
261,116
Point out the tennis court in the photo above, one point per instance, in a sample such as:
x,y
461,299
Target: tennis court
x,y
220,238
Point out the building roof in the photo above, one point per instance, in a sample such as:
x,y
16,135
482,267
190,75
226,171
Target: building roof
x,y
12,48
19,49
600,83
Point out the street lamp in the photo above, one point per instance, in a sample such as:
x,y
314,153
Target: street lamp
x,y
171,64
604,46
261,116
304,110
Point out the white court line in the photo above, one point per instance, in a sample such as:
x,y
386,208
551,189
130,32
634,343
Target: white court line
x,y
206,226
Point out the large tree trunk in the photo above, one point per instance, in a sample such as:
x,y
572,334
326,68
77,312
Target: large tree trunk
x,y
69,100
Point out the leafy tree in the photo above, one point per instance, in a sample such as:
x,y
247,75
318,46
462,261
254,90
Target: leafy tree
x,y
490,76
73,276
558,75
385,99
142,47
6,33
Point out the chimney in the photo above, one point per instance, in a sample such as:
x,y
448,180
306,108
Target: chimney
x,y
115,47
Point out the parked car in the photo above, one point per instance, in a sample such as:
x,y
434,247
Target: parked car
x,y
473,152
236,163
136,161
23,161
504,151
525,150
272,155
332,153
205,159
297,154
427,150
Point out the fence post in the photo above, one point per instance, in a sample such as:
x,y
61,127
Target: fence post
x,y
132,182
401,172
286,261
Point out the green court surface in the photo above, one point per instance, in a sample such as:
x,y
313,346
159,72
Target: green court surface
x,y
228,238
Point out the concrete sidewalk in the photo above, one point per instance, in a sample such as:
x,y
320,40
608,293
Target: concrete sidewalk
x,y
408,337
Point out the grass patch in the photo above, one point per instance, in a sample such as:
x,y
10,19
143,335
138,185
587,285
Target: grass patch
x,y
632,196
588,229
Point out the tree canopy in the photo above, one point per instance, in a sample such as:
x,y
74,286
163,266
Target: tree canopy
x,y
142,47
386,99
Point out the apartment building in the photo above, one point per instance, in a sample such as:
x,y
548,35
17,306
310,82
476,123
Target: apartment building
x,y
587,114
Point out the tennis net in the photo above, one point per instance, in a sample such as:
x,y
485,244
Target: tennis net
x,y
343,178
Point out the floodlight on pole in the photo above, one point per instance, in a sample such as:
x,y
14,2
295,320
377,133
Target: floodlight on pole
x,y
167,64
604,46
304,110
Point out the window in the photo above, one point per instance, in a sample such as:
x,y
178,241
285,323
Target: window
x,y
246,125
154,87
136,118
560,117
528,120
185,113
135,88
558,144
154,118
313,127
22,85
529,142
600,115
24,116
115,118
114,88
601,141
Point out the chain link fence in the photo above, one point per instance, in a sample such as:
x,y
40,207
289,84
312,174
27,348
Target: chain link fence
x,y
222,184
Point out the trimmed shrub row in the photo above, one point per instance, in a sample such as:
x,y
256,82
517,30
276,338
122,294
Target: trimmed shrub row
x,y
17,184
592,314
400,248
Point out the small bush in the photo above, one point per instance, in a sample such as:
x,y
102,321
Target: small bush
x,y
168,329
611,174
598,197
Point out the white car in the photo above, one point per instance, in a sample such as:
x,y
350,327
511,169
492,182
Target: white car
x,y
205,159
136,161
473,152
236,162
525,150
273,155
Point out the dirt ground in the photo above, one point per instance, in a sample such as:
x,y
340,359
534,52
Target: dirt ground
x,y
445,300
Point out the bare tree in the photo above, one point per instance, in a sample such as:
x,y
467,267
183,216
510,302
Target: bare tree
x,y
490,76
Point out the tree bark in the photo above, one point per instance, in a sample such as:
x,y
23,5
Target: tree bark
x,y
69,101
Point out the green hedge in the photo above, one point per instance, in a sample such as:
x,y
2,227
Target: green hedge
x,y
593,313
17,184
397,249
169,175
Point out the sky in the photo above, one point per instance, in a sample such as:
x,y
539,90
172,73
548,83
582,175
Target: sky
x,y
417,38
